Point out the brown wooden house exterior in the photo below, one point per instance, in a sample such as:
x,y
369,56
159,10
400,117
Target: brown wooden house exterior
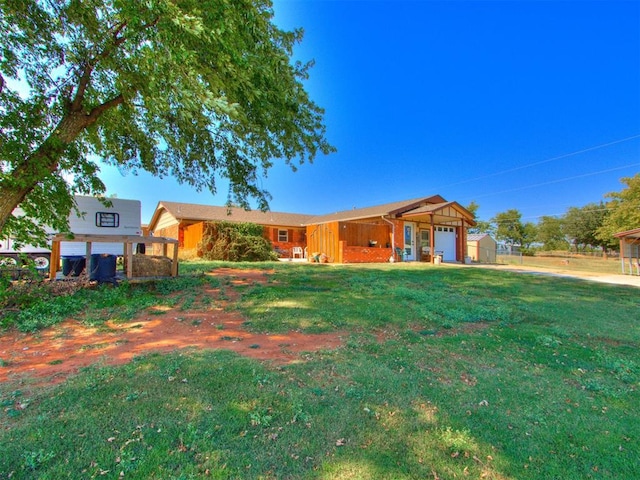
x,y
427,229
187,223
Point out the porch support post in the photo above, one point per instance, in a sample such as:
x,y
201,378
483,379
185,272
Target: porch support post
x,y
54,260
433,239
461,242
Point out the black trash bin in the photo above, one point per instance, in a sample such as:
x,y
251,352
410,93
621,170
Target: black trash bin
x,y
103,268
73,264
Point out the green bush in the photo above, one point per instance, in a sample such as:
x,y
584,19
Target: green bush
x,y
236,242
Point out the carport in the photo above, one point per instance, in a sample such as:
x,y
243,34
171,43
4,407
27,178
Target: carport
x,y
630,251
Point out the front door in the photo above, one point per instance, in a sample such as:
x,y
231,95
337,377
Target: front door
x,y
409,241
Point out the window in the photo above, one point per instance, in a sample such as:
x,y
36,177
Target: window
x,y
283,235
425,242
107,219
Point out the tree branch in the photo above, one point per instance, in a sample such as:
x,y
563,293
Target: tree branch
x,y
118,29
87,70
95,113
83,82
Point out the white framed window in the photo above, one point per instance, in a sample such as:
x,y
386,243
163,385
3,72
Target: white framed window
x,y
107,219
283,235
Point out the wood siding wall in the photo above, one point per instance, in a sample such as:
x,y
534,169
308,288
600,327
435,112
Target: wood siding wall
x,y
166,220
360,234
192,235
167,232
324,238
348,242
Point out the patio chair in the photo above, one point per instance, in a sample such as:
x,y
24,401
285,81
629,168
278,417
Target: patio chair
x,y
297,251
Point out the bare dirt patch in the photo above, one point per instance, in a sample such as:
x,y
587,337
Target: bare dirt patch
x,y
52,355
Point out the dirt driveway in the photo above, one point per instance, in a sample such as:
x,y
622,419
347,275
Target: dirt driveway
x,y
51,355
631,280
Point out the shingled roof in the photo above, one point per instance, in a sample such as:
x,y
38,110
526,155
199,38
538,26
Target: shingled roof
x,y
208,213
394,208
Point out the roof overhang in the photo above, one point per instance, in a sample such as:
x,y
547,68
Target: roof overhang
x,y
635,234
156,215
446,213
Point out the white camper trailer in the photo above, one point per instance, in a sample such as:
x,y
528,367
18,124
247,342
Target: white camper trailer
x,y
123,217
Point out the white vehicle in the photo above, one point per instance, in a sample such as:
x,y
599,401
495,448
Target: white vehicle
x,y
123,217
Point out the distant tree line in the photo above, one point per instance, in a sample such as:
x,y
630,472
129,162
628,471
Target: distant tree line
x,y
590,227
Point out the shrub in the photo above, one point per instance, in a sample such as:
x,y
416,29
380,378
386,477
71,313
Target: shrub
x,y
235,242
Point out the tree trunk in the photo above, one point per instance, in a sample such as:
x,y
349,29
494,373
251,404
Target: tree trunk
x,y
44,160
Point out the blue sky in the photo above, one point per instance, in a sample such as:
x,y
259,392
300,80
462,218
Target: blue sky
x,y
532,105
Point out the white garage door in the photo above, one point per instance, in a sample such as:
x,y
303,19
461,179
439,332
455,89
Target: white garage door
x,y
446,242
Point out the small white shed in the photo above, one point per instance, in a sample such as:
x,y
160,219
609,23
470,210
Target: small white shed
x,y
481,247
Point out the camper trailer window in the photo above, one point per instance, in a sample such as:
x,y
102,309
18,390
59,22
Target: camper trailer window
x,y
106,219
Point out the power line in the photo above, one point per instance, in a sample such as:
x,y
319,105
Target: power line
x,y
541,162
560,180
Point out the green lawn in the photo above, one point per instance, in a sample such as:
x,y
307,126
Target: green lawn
x,y
444,373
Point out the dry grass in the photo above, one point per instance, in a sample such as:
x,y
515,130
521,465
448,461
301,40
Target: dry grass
x,y
565,261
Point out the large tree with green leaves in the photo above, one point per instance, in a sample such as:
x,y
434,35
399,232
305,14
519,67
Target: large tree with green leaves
x,y
529,234
550,233
194,90
509,227
482,226
623,210
580,225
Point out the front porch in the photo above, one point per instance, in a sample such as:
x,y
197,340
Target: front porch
x,y
413,231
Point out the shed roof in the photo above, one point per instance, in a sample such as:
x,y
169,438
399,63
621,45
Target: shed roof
x,y
635,233
475,237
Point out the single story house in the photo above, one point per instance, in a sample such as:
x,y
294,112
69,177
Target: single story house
x,y
423,229
186,223
481,247
630,250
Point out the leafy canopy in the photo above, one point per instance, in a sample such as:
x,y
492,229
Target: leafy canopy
x,y
509,227
550,233
580,225
624,210
481,226
194,90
